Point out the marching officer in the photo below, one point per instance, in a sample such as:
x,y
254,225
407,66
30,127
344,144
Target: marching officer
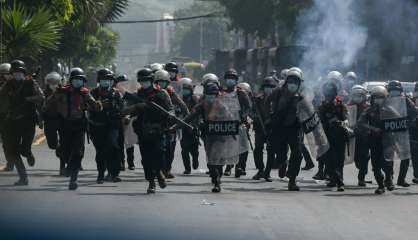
x,y
71,102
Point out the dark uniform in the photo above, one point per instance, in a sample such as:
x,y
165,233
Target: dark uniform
x,y
71,104
181,109
19,121
332,115
52,130
150,127
106,133
413,133
286,131
189,141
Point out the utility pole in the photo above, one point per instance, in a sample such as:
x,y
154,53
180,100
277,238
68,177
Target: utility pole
x,y
201,42
1,30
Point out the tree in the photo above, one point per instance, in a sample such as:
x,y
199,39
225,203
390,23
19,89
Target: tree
x,y
28,35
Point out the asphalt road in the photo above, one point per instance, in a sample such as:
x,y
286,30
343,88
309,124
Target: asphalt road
x,y
186,209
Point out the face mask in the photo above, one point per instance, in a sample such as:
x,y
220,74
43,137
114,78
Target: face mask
x,y
146,84
210,98
379,101
105,83
231,83
163,84
395,93
172,75
292,87
19,76
77,83
187,92
53,87
268,90
357,99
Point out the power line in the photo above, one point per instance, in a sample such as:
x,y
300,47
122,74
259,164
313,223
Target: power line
x,y
210,15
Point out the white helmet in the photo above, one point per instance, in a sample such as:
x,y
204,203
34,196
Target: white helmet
x,y
335,75
5,68
161,75
210,78
186,82
351,75
298,70
359,89
379,91
156,67
283,73
53,78
295,73
244,86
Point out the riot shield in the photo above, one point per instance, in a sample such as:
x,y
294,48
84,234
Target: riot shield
x,y
315,138
222,143
130,137
351,148
395,138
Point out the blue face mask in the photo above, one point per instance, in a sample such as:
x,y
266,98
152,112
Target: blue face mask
x,y
77,83
19,76
146,84
292,87
210,98
231,83
187,92
268,90
106,83
163,84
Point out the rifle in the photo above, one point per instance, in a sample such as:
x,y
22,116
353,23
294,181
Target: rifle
x,y
259,118
170,115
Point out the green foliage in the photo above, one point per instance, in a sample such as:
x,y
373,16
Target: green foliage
x,y
28,35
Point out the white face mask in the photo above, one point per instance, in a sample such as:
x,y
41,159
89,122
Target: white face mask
x,y
106,83
77,83
292,87
395,93
231,82
146,84
19,76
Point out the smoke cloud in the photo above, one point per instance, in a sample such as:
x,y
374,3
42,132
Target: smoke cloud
x,y
334,35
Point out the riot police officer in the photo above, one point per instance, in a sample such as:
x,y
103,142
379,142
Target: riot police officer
x,y
371,123
260,115
189,140
150,126
286,129
53,121
71,102
358,100
106,127
4,77
395,89
333,115
23,94
231,81
173,70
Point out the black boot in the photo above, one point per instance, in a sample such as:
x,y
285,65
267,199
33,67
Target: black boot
x,y
292,186
238,172
282,171
73,180
228,170
319,175
22,182
389,184
258,175
100,178
8,168
308,166
217,185
161,181
151,187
